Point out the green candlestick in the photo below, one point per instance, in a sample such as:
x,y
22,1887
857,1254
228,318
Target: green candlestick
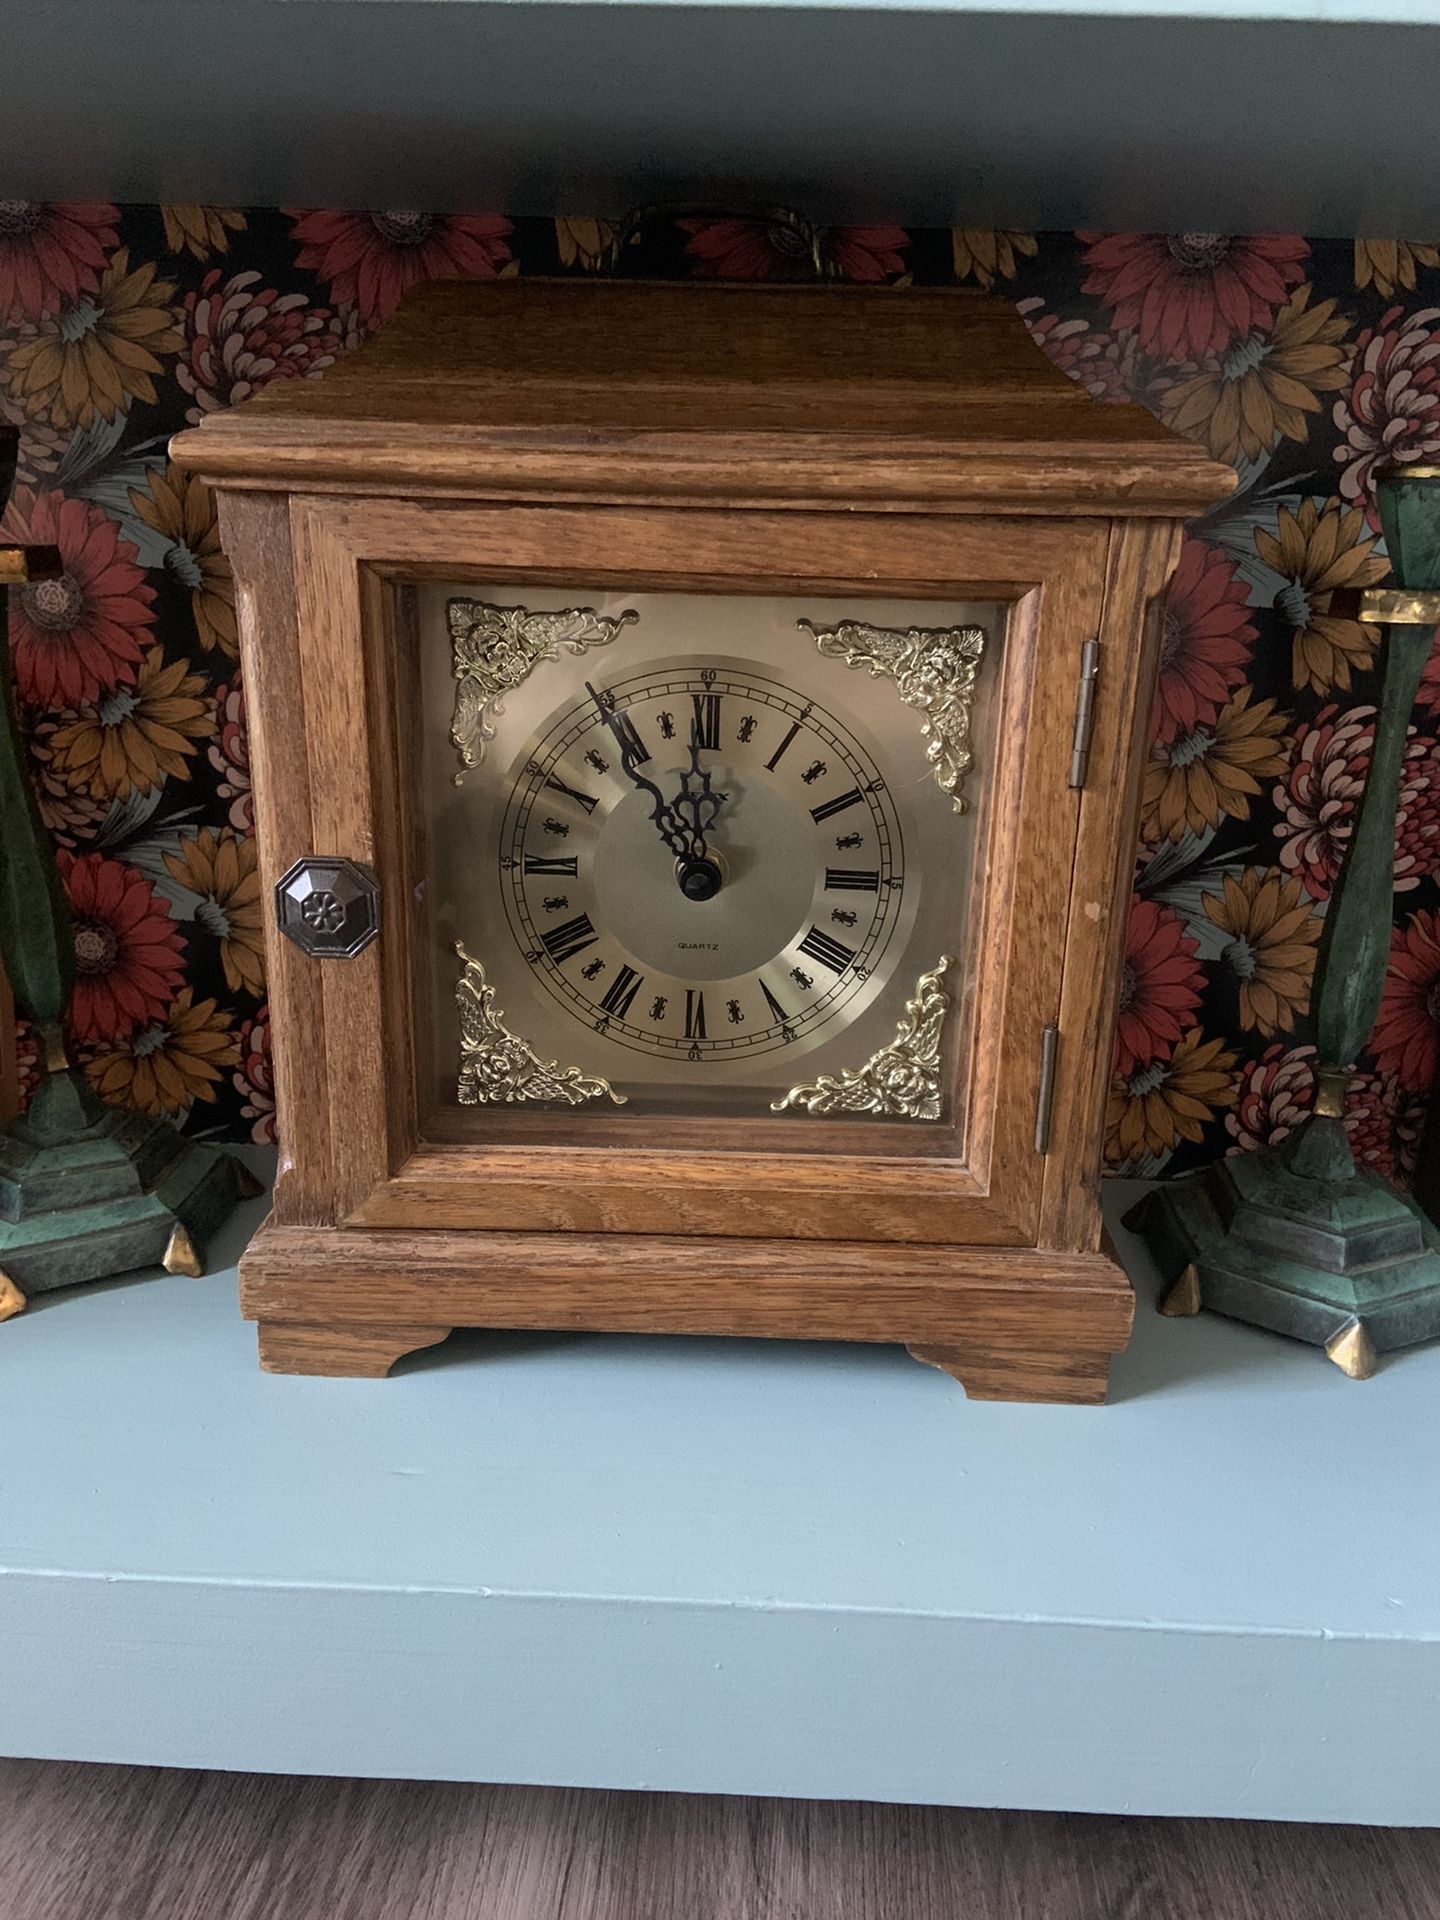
x,y
86,1190
1297,1238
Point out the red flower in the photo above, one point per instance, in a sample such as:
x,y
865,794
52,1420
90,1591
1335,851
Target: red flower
x,y
1161,987
786,248
373,259
255,1079
1406,1040
51,251
77,637
1189,294
1392,411
128,955
1207,642
230,755
1384,1125
239,336
1328,764
1277,1092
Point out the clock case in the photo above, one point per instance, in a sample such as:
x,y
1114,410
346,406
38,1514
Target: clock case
x,y
626,435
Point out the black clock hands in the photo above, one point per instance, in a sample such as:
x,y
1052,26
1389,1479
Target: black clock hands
x,y
632,756
684,821
697,809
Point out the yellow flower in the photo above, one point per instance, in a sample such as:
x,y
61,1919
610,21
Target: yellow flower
x,y
988,256
201,231
1261,389
182,508
1273,929
100,351
1213,771
1315,551
220,867
134,737
1168,1101
1391,264
585,243
171,1063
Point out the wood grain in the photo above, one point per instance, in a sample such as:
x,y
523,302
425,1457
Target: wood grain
x,y
853,442
165,1844
934,400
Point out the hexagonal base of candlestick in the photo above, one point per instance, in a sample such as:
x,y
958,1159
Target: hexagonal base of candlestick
x,y
89,1191
1315,1259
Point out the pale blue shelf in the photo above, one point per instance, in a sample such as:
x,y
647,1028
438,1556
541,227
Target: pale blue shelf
x,y
1309,116
723,1566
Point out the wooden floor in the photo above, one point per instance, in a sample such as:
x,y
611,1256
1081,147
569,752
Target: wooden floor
x,y
130,1843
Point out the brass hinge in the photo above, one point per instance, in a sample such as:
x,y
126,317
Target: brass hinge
x,y
1084,712
1045,1092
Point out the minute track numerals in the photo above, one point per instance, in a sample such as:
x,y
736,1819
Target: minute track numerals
x,y
623,953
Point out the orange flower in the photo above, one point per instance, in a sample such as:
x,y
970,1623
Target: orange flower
x,y
181,508
1316,550
1194,782
135,737
101,351
1389,265
201,231
1169,1100
167,1066
986,255
221,869
1263,387
1273,930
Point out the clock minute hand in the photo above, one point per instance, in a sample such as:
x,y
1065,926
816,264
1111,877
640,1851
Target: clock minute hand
x,y
671,831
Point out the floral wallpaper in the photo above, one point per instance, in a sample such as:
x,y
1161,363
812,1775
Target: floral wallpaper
x,y
1303,362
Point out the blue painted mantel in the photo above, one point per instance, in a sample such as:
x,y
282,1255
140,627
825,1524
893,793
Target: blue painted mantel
x,y
723,1566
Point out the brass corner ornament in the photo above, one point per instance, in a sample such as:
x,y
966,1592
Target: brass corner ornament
x,y
934,670
495,648
901,1081
497,1067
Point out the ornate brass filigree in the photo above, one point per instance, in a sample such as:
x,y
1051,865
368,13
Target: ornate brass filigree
x,y
901,1081
497,1067
495,648
934,670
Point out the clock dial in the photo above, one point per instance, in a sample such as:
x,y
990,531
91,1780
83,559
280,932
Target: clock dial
x,y
701,846
702,863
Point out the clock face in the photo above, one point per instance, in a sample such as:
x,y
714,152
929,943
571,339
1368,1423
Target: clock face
x,y
693,853
702,863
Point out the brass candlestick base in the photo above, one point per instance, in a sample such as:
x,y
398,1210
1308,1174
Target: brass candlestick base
x,y
88,1191
1298,1238
1346,1264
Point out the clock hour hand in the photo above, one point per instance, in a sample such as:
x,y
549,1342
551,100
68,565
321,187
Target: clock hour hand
x,y
697,809
631,753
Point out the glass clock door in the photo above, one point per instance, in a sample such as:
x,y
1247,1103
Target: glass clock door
x,y
700,855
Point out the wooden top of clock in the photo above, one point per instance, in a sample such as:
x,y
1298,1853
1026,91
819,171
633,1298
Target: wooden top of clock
x,y
930,399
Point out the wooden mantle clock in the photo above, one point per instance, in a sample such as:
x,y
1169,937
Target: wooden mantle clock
x,y
696,735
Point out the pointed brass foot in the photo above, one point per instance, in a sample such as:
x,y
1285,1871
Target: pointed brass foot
x,y
246,1184
182,1255
1352,1351
12,1300
1183,1299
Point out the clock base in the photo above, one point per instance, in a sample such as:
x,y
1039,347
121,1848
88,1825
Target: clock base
x,y
1009,1323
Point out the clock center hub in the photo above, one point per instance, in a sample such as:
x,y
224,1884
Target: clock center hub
x,y
723,915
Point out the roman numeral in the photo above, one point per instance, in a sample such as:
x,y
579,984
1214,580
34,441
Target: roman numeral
x,y
577,934
773,1004
694,1014
586,800
851,880
623,989
827,808
774,759
830,953
566,869
707,720
631,746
